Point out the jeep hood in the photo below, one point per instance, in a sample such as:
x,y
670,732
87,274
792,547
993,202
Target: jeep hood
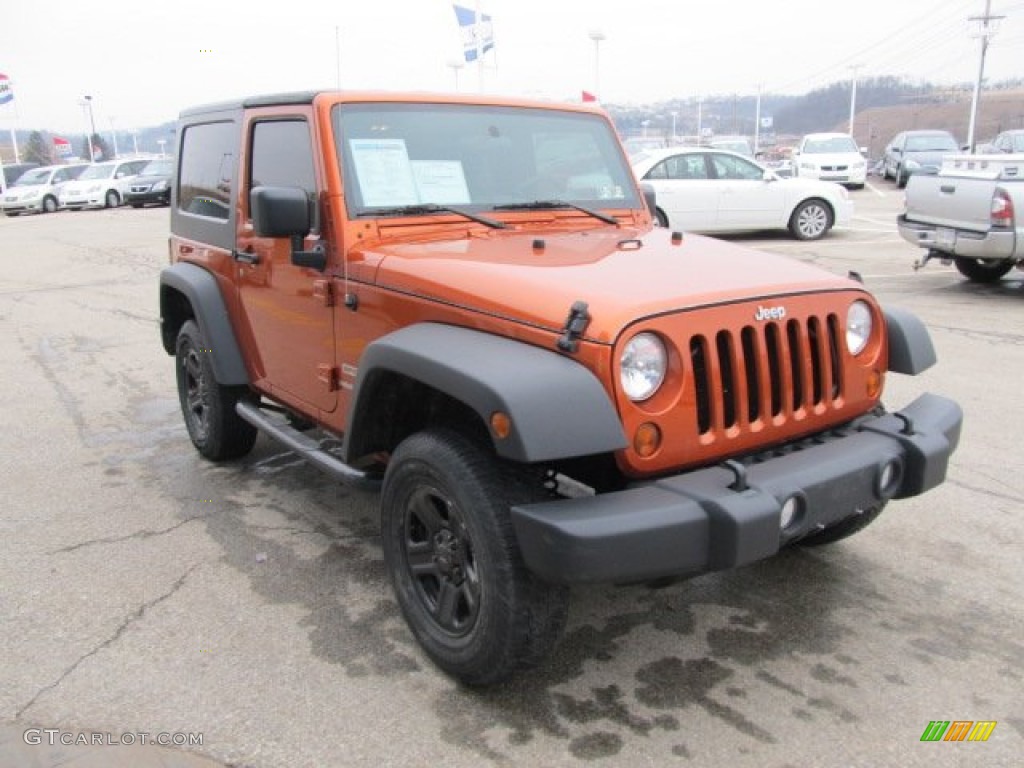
x,y
622,274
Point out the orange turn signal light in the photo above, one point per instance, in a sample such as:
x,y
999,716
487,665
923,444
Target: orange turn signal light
x,y
874,384
501,424
647,440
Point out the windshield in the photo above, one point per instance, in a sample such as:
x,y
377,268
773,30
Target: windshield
x,y
31,178
830,145
157,168
931,144
100,171
477,157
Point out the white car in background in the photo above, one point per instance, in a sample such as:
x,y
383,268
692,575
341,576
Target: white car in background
x,y
712,191
831,157
101,185
37,190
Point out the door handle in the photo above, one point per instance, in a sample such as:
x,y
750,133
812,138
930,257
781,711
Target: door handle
x,y
246,257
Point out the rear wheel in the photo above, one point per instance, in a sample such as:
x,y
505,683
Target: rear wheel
x,y
454,561
981,271
216,430
901,178
843,528
660,219
811,220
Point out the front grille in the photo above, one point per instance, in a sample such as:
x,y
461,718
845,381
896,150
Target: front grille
x,y
768,373
834,167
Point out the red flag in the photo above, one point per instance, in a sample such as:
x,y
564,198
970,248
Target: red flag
x,y
588,96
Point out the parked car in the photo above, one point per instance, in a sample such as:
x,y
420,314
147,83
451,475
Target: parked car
x,y
708,190
101,185
739,144
636,144
831,157
37,190
1009,141
12,172
152,185
913,152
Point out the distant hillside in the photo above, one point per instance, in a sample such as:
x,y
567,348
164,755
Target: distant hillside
x,y
997,111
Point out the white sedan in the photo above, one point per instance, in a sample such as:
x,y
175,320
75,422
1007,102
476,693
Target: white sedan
x,y
707,190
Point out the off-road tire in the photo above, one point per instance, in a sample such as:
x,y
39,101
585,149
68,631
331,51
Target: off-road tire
x,y
981,271
216,430
454,562
811,220
842,529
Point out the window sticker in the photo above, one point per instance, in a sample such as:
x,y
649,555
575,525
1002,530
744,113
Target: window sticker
x,y
441,181
384,171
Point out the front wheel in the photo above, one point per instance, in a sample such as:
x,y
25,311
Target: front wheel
x,y
811,220
454,561
49,204
112,199
660,219
843,528
981,271
216,430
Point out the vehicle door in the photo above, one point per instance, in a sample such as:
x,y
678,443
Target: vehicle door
x,y
745,199
286,307
684,191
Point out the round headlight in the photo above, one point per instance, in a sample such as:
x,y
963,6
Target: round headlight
x,y
858,327
642,366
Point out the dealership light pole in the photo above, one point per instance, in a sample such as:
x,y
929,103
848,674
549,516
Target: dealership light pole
x,y
597,36
853,95
86,103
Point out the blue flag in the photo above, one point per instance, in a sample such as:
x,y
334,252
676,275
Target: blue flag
x,y
470,29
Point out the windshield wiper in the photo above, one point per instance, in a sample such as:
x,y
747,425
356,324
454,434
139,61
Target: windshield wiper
x,y
424,208
538,205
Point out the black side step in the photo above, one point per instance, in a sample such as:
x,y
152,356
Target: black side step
x,y
308,448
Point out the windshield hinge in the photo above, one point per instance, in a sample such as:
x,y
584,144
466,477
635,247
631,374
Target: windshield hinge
x,y
575,324
322,291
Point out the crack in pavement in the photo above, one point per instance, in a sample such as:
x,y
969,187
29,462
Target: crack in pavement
x,y
986,491
146,534
131,619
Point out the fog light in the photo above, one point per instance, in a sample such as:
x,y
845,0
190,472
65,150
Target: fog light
x,y
889,478
647,440
790,512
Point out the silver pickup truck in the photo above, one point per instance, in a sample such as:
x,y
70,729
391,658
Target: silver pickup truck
x,y
969,214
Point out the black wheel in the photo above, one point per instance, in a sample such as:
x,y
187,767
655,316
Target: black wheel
x,y
811,220
49,204
856,186
660,219
112,199
10,214
454,562
843,528
901,178
981,271
217,432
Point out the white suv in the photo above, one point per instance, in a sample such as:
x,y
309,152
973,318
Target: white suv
x,y
101,185
37,190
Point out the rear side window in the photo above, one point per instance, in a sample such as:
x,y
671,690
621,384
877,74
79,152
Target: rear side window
x,y
207,161
282,156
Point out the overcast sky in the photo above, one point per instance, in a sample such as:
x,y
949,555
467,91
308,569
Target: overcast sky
x,y
143,61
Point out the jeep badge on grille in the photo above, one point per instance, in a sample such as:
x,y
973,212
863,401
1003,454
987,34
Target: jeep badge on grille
x,y
770,313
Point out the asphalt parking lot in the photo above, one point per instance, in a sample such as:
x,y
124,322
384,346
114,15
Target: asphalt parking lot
x,y
147,591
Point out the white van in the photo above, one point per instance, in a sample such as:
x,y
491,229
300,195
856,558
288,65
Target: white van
x,y
37,190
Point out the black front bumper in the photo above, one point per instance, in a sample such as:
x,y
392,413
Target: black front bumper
x,y
719,517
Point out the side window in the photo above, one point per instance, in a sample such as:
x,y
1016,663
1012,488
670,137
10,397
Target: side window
x,y
660,171
59,177
282,156
207,157
729,167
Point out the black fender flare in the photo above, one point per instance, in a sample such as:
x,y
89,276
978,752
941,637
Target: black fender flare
x,y
201,291
557,407
910,346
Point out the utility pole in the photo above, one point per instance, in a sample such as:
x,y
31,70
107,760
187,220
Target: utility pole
x,y
757,121
986,30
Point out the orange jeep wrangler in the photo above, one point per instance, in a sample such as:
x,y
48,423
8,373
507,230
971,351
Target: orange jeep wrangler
x,y
463,301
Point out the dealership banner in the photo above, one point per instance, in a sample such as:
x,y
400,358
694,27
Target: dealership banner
x,y
474,36
6,89
62,147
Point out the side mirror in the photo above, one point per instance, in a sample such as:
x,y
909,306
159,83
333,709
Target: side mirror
x,y
769,175
284,212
